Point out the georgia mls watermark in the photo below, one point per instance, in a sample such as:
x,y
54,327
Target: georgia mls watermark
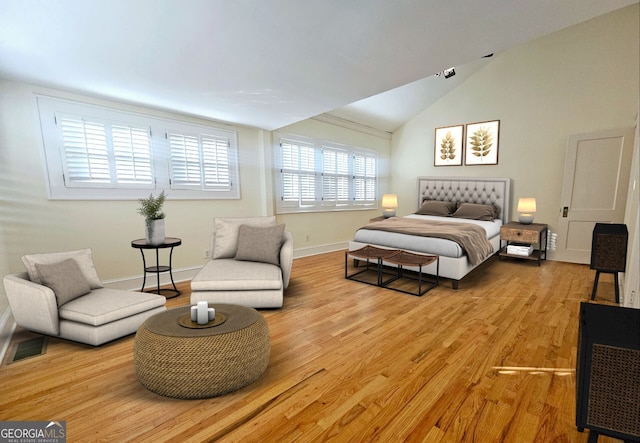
x,y
33,432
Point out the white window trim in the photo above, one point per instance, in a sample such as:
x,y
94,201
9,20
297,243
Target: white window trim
x,y
49,107
319,204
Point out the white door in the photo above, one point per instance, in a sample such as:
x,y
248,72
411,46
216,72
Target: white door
x,y
596,179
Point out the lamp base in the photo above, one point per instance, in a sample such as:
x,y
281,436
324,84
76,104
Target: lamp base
x,y
525,219
389,213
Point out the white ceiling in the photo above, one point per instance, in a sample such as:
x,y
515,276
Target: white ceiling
x,y
270,63
389,110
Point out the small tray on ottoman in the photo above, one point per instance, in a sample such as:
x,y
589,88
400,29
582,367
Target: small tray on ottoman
x,y
186,321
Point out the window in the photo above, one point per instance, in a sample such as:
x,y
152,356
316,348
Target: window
x,y
199,161
322,176
99,153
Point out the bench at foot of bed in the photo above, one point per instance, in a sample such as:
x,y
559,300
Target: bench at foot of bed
x,y
377,259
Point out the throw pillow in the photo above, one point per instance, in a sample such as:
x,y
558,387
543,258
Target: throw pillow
x,y
226,233
473,211
83,258
437,207
260,244
65,280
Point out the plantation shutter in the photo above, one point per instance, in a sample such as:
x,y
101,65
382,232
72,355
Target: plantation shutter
x,y
199,161
298,177
364,179
99,153
335,177
132,153
215,162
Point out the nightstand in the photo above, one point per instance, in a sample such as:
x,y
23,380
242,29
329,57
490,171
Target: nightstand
x,y
375,219
528,235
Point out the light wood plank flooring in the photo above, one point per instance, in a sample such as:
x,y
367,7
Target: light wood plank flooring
x,y
491,362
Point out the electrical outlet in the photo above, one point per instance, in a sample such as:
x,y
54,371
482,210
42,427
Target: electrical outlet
x,y
207,253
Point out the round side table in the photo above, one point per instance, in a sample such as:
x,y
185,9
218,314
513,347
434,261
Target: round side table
x,y
169,242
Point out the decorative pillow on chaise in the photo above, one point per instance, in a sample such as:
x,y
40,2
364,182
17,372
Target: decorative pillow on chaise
x,y
65,280
226,233
437,207
260,244
83,258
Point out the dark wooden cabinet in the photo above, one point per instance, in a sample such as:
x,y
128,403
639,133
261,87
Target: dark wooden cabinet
x,y
609,253
608,372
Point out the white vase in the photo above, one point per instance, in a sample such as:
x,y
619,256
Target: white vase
x,y
155,231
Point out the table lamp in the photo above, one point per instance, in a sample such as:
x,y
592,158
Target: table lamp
x,y
526,206
389,203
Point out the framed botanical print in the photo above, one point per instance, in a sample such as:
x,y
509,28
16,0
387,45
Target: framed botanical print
x,y
448,146
482,143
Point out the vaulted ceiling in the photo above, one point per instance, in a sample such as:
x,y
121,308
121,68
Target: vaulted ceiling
x,y
270,63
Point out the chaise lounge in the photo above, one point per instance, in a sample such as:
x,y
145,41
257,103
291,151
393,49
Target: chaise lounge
x,y
61,295
250,265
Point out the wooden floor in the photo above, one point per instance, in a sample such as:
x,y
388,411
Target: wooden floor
x,y
491,362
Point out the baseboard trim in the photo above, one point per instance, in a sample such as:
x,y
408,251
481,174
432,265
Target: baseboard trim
x,y
315,250
134,283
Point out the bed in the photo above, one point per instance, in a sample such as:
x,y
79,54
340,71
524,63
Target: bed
x,y
455,262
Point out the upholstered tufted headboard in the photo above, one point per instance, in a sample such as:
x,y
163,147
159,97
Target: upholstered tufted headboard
x,y
482,190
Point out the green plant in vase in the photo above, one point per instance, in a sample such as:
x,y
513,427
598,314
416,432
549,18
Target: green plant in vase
x,y
151,209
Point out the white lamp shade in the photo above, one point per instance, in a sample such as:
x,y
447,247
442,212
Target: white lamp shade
x,y
389,201
527,204
526,208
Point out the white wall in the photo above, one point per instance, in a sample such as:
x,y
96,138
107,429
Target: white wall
x,y
581,79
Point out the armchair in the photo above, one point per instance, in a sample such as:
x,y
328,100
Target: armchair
x,y
251,260
61,295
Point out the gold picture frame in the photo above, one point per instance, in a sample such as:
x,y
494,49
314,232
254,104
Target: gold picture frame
x,y
482,143
448,146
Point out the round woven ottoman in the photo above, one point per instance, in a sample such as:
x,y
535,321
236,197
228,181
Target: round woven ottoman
x,y
178,361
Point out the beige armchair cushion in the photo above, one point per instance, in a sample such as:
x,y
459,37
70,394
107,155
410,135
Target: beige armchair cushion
x,y
65,280
226,233
226,274
260,244
82,256
106,305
